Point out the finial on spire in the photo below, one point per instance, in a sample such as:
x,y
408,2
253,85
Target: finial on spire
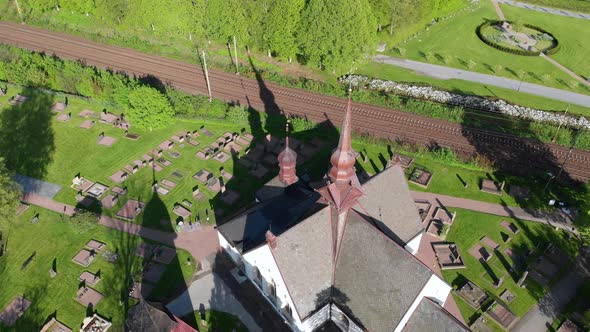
x,y
343,159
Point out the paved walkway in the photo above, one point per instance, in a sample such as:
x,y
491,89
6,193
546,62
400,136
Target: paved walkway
x,y
540,316
499,11
565,70
199,244
211,292
555,220
445,73
548,10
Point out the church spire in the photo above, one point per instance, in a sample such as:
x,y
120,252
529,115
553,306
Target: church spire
x,y
343,159
287,163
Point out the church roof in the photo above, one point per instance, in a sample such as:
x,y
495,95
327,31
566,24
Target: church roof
x,y
376,280
429,316
388,201
305,260
248,230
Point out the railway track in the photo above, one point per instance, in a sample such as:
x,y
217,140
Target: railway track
x,y
270,97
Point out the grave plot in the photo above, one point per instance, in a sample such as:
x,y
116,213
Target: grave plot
x,y
131,169
164,255
108,118
87,124
232,148
423,208
168,183
226,175
17,100
107,141
203,176
119,190
139,163
165,162
214,185
119,176
517,259
15,309
87,296
166,145
131,209
178,139
133,137
97,190
197,194
84,257
156,152
421,177
95,245
55,326
59,107
89,278
181,211
86,114
510,227
435,227
95,324
480,253
206,132
109,201
444,216
448,256
489,243
222,157
501,315
64,117
492,187
472,294
507,296
404,161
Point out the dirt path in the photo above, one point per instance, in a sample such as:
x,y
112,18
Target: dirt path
x,y
498,10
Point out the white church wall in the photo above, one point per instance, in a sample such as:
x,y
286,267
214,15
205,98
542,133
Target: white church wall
x,y
262,259
229,249
414,244
435,289
342,320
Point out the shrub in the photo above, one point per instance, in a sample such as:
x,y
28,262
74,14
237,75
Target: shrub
x,y
550,50
301,124
237,114
84,221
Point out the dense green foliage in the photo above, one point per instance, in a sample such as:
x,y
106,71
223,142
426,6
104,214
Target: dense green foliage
x,y
148,108
9,194
83,221
330,34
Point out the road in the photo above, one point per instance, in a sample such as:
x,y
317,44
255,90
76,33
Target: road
x,y
540,317
211,292
548,10
445,73
506,151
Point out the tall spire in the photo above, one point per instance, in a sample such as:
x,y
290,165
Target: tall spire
x,y
287,163
343,159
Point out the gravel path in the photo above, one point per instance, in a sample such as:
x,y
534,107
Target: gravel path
x,y
548,10
445,73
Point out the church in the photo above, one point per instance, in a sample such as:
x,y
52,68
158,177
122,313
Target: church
x,y
340,256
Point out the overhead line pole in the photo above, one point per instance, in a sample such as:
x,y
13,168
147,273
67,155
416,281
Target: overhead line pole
x,y
560,123
207,77
19,11
236,55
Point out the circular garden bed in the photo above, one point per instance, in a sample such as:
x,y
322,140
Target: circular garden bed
x,y
520,39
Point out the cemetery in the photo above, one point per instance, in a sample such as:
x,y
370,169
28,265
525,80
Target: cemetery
x,y
517,271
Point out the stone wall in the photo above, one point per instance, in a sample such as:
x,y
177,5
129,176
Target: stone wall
x,y
473,102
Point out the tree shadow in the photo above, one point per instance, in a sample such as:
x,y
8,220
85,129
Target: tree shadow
x,y
27,140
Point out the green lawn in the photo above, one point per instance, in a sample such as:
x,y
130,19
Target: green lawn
x,y
456,41
470,226
53,239
575,5
398,74
216,321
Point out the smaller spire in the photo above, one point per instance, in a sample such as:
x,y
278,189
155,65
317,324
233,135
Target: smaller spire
x,y
343,158
287,162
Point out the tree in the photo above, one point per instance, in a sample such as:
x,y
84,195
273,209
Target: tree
x,y
79,6
84,221
281,26
148,108
226,18
9,196
497,69
335,34
112,10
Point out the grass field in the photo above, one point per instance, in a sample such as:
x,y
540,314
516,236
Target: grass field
x,y
398,74
456,41
466,231
575,5
53,241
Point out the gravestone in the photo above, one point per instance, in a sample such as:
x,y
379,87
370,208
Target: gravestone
x,y
520,282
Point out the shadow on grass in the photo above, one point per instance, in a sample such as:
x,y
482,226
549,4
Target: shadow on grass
x,y
27,140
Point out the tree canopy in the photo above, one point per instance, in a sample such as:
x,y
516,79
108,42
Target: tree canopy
x,y
148,108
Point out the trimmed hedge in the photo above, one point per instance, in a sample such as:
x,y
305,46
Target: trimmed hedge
x,y
551,50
